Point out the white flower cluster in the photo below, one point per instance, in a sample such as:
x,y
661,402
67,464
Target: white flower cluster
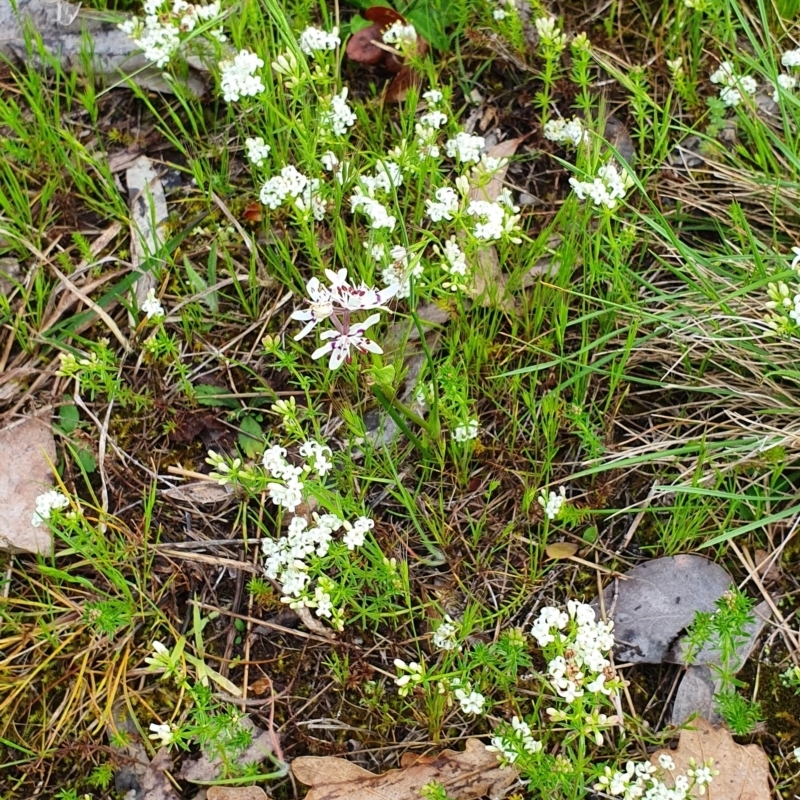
x,y
287,557
791,60
550,35
159,34
471,701
506,7
463,433
397,275
465,148
414,674
238,76
553,503
784,302
585,644
338,116
495,220
314,40
301,192
151,305
445,637
512,743
444,206
257,150
388,177
607,189
336,303
571,133
46,503
639,780
786,82
732,85
429,124
455,265
403,36
289,493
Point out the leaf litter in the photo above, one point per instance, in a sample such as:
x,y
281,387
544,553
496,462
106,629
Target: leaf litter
x,y
467,775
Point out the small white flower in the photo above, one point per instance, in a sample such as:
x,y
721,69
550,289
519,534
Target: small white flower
x,y
787,83
553,503
444,206
238,76
566,132
257,150
404,36
445,637
549,32
162,732
791,58
607,189
666,762
338,117
796,260
433,96
796,753
465,148
45,504
151,305
463,433
313,40
329,161
471,702
723,74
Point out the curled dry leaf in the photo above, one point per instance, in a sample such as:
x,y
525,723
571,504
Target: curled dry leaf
x,y
465,776
743,769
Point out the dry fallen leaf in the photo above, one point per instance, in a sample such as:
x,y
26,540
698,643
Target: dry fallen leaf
x,y
743,769
236,793
658,601
465,776
561,550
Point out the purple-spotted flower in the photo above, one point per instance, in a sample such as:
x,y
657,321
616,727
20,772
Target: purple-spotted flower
x,y
357,298
320,307
338,343
337,303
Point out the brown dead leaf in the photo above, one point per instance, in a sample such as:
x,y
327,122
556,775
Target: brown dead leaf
x,y
260,686
489,281
743,769
465,776
236,793
561,550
